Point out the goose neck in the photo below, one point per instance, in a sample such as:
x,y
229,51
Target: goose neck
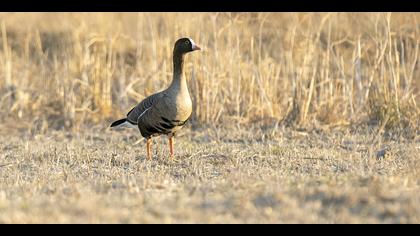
x,y
178,60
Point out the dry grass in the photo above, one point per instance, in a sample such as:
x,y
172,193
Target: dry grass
x,y
298,118
300,177
66,70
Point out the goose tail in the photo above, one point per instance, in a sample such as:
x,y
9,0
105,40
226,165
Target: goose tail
x,y
123,123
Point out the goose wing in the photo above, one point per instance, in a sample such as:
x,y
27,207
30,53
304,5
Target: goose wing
x,y
134,114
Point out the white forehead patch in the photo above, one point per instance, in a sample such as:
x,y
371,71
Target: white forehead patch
x,y
192,42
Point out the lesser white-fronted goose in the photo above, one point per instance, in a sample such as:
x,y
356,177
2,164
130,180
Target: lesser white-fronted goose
x,y
167,111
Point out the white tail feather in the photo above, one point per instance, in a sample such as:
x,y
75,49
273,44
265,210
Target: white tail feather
x,y
127,124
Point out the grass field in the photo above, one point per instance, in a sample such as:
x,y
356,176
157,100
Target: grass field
x,y
298,118
299,177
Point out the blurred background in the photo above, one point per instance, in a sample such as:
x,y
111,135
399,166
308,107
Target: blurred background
x,y
72,71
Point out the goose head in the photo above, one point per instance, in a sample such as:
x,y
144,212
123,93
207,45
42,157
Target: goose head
x,y
185,45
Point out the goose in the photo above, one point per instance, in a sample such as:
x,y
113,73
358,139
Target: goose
x,y
165,112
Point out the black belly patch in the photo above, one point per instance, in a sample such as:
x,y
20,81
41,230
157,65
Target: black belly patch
x,y
152,130
164,127
169,124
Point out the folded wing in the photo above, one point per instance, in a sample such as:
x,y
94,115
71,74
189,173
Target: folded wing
x,y
139,110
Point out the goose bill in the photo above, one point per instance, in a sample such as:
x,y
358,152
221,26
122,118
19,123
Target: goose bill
x,y
195,47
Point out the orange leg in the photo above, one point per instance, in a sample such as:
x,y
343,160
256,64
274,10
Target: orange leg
x,y
149,144
171,147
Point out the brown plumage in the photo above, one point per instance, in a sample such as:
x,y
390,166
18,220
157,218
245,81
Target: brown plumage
x,y
167,111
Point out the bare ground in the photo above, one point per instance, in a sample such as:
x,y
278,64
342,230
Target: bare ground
x,y
219,176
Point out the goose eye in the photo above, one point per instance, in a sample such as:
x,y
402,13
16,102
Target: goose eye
x,y
187,42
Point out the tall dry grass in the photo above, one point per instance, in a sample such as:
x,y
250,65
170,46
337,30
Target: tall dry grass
x,y
69,70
